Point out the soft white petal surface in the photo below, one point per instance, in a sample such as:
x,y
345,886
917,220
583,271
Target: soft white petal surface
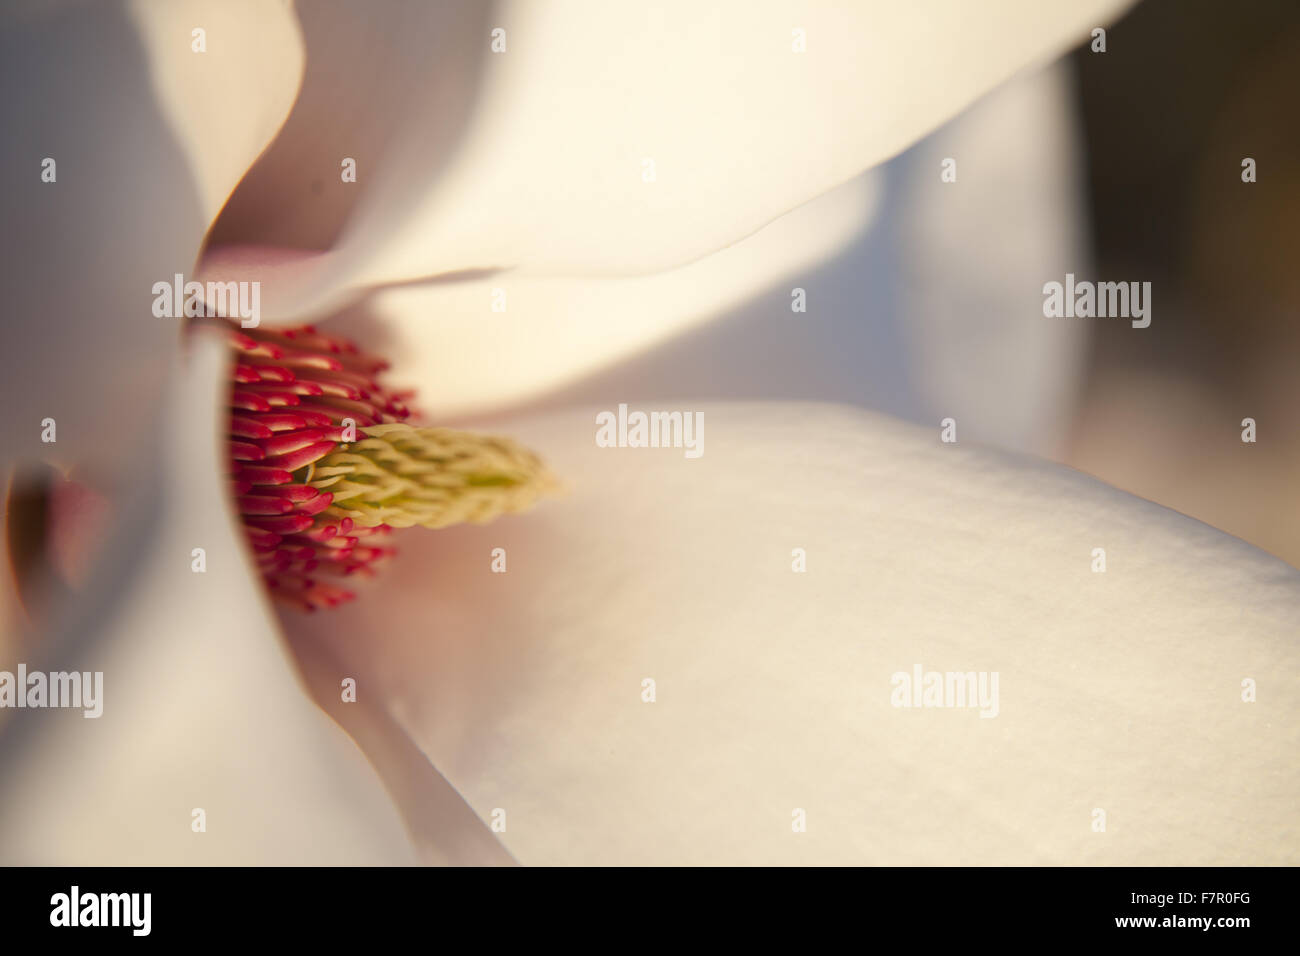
x,y
226,103
201,704
147,138
1118,690
491,342
931,308
973,257
550,169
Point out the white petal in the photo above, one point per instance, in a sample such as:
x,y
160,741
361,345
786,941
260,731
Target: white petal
x,y
934,307
1119,691
548,171
488,343
226,103
136,186
202,708
973,256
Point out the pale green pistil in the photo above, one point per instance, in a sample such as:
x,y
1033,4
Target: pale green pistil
x,y
401,476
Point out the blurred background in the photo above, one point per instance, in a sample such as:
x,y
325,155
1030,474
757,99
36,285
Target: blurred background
x,y
1187,90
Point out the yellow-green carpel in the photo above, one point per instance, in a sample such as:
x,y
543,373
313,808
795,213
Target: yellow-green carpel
x,y
401,475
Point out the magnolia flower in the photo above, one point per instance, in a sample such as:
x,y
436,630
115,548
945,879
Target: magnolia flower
x,y
685,661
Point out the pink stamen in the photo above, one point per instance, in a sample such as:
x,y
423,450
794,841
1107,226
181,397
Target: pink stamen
x,y
292,390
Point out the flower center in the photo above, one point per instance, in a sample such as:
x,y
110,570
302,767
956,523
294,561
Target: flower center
x,y
325,464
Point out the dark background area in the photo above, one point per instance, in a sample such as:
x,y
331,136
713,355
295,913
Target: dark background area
x,y
1184,92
